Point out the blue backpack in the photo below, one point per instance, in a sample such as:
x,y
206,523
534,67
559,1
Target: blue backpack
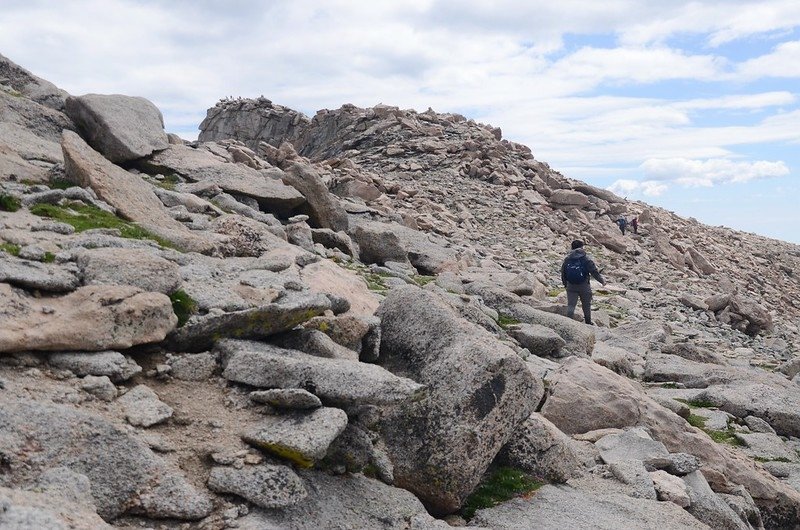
x,y
575,270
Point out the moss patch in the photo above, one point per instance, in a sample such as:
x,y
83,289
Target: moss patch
x,y
422,280
505,321
10,248
503,484
183,305
168,182
86,217
697,421
727,436
48,257
555,292
9,203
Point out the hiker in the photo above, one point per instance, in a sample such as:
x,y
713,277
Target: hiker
x,y
575,272
635,225
622,223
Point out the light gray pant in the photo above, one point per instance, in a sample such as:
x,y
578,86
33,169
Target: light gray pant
x,y
584,292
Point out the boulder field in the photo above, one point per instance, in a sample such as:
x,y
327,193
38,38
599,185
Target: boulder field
x,y
356,320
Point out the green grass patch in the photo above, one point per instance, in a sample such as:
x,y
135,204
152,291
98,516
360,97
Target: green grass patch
x,y
724,437
669,385
506,321
86,217
10,248
555,292
59,184
183,306
168,182
48,257
503,484
423,280
9,203
778,459
697,421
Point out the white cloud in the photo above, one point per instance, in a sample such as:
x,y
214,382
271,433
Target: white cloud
x,y
693,173
649,188
784,61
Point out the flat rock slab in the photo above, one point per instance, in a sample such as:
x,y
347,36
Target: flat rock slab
x,y
257,323
199,165
779,406
32,510
143,408
539,340
92,318
633,445
346,501
287,398
39,276
192,367
766,446
557,508
123,128
135,267
339,381
128,193
112,364
125,475
267,486
709,507
301,437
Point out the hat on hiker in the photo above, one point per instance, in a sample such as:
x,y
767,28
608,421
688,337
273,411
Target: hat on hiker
x,y
577,244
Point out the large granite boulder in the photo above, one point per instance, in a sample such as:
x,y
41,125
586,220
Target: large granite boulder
x,y
322,208
479,390
122,128
347,501
560,507
128,193
92,318
135,267
200,165
337,381
541,449
125,475
201,333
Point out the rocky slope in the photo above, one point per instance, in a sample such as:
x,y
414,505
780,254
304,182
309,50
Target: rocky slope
x,y
352,321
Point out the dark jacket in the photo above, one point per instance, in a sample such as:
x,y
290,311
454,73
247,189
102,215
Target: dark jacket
x,y
591,268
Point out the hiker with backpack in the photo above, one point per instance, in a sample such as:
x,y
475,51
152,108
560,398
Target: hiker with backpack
x,y
622,223
635,225
575,274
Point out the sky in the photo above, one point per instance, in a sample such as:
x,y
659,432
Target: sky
x,y
693,106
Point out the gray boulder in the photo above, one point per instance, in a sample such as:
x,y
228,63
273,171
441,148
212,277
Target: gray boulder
x,y
377,243
37,510
541,449
199,165
300,437
348,501
560,507
708,507
123,128
201,333
34,275
192,367
338,381
99,386
634,474
539,340
633,444
112,364
143,408
287,398
322,208
267,486
135,267
92,318
124,473
778,405
479,390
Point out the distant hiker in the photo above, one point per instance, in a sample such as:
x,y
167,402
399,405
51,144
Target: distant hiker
x,y
622,223
635,225
575,272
